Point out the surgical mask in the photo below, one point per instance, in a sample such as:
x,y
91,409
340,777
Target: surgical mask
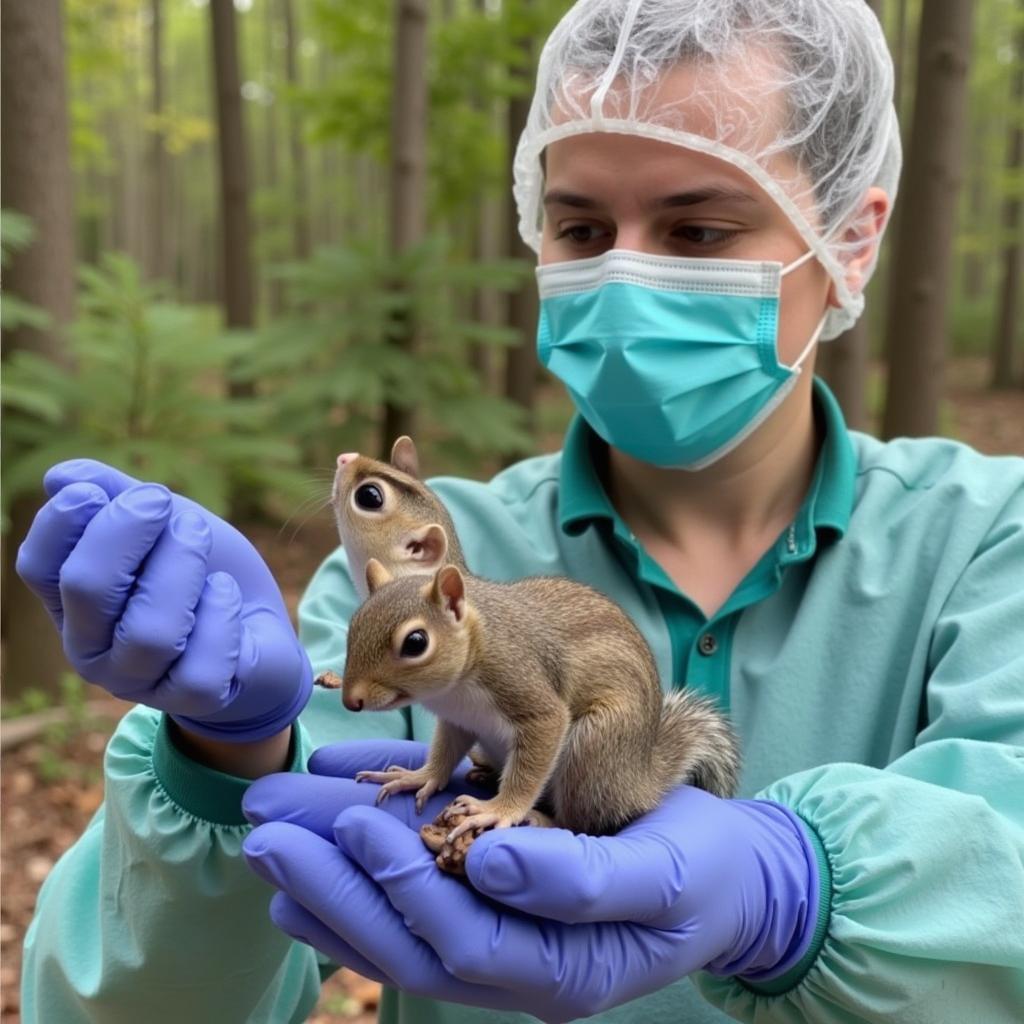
x,y
670,360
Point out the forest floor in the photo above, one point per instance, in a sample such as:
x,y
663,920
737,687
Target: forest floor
x,y
52,784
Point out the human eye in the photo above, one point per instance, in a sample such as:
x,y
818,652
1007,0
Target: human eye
x,y
703,237
580,234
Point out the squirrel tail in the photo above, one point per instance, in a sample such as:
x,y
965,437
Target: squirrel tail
x,y
696,745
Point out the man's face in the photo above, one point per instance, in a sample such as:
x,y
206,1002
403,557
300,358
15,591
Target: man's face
x,y
607,190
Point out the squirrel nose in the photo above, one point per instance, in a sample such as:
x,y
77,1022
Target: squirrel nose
x,y
353,703
345,458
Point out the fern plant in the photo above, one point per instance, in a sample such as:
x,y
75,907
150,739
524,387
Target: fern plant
x,y
16,232
148,395
332,362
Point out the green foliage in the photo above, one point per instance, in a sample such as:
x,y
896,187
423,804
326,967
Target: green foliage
x,y
477,59
16,232
971,323
148,396
335,359
30,702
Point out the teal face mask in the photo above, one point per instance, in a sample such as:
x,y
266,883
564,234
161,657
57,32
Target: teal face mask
x,y
670,360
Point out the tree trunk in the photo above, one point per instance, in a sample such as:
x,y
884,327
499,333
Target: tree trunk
x,y
900,58
236,263
521,361
300,174
1007,328
156,258
974,260
488,303
917,314
35,171
408,169
487,244
274,285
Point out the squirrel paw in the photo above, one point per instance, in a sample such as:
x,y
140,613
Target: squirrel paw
x,y
478,814
450,846
328,680
484,776
396,779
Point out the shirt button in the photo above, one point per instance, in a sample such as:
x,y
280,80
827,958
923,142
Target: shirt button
x,y
707,645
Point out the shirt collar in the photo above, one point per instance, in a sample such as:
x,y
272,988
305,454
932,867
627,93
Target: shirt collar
x,y
827,506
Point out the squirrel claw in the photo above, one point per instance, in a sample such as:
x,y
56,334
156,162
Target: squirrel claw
x,y
479,822
396,779
424,793
479,814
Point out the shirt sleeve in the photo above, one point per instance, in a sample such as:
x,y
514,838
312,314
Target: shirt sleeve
x,y
927,854
153,914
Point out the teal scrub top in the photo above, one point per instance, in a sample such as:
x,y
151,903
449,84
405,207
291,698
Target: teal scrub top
x,y
872,663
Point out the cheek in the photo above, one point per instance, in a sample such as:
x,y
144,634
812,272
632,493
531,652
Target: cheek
x,y
547,247
800,311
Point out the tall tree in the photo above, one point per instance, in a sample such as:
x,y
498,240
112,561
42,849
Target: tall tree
x,y
274,287
521,360
918,296
900,57
35,179
844,362
156,257
1007,326
408,171
296,143
236,235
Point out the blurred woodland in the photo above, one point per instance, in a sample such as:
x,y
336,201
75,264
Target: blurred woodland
x,y
241,237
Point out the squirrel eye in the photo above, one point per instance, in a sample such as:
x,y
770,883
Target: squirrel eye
x,y
369,497
414,644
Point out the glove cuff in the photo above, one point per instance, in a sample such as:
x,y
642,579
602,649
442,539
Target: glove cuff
x,y
253,729
810,927
797,886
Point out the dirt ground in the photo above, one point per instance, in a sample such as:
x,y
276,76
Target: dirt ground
x,y
49,787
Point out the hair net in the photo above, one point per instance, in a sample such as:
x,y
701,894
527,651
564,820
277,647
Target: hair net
x,y
796,93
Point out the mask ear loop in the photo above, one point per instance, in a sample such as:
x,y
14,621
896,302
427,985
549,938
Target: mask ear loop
x,y
807,348
798,262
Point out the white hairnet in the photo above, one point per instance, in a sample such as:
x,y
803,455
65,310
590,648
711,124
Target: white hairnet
x,y
810,80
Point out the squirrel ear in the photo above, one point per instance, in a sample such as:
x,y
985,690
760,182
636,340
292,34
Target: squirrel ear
x,y
404,457
376,575
450,591
427,545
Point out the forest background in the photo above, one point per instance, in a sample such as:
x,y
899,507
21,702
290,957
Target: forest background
x,y
240,237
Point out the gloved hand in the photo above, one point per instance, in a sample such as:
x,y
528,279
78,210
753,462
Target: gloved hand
x,y
159,601
726,885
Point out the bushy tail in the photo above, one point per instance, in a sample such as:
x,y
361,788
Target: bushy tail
x,y
696,745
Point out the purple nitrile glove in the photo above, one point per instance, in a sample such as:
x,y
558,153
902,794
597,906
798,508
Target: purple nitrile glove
x,y
730,886
159,601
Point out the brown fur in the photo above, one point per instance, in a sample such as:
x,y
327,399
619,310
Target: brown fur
x,y
399,535
551,677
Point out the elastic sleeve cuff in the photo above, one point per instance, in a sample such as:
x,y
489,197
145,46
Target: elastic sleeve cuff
x,y
793,977
204,792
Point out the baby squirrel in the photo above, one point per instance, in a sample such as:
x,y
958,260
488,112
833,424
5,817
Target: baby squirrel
x,y
549,677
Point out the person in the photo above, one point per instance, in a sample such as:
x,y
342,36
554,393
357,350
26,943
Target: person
x,y
707,184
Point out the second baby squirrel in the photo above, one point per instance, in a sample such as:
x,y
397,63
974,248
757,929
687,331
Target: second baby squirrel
x,y
549,677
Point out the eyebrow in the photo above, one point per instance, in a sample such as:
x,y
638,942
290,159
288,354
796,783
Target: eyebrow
x,y
694,198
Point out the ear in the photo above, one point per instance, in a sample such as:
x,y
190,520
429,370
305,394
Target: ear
x,y
449,591
427,545
404,457
861,240
376,575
